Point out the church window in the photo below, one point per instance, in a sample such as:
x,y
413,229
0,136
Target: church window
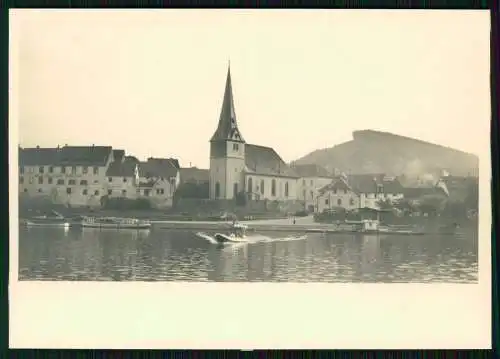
x,y
250,185
217,190
286,189
273,187
261,186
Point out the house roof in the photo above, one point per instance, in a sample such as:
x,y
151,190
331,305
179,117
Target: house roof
x,y
174,161
417,192
65,156
227,128
311,170
158,167
121,169
264,160
365,183
193,174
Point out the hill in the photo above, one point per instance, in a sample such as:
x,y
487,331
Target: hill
x,y
382,152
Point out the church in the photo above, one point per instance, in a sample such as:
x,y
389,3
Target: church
x,y
237,167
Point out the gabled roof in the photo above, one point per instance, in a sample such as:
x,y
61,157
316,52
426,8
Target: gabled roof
x,y
311,170
365,183
158,167
65,156
265,161
227,129
194,174
121,169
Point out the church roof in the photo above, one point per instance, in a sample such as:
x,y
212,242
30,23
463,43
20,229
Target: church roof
x,y
265,161
227,128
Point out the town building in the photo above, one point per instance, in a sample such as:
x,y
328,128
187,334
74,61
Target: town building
x,y
194,175
312,178
236,167
159,178
359,191
69,175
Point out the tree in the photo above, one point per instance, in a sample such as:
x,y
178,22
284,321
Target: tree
x,y
431,204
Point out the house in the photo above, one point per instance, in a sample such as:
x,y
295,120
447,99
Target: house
x,y
69,175
194,175
158,180
312,178
238,167
358,191
122,176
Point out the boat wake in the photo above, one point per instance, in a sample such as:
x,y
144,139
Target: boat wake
x,y
255,238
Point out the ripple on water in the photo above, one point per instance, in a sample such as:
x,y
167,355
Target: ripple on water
x,y
181,256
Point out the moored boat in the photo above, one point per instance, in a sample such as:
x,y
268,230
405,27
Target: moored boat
x,y
53,220
114,223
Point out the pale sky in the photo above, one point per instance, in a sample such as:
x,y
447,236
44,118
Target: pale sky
x,y
152,81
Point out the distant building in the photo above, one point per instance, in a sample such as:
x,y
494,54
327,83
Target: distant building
x,y
122,176
158,180
358,191
235,166
312,178
70,175
194,175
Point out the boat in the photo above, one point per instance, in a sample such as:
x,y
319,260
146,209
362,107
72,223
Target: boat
x,y
237,234
114,223
53,220
371,226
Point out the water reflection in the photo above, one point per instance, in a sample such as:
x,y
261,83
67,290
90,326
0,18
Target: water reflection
x,y
158,255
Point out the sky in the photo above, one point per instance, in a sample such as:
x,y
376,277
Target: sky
x,y
152,81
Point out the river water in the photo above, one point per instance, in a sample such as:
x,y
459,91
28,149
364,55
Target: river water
x,y
165,255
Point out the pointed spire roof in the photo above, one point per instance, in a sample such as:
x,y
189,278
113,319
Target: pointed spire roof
x,y
227,128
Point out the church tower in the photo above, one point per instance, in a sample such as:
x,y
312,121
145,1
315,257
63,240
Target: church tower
x,y
227,151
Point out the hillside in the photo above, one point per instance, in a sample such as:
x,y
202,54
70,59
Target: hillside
x,y
381,152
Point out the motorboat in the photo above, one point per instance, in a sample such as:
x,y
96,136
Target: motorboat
x,y
114,223
55,219
237,234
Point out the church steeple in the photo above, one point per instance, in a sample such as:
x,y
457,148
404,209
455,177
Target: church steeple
x,y
227,128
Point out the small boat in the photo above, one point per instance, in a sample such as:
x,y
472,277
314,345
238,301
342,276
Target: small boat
x,y
374,227
53,220
114,223
237,234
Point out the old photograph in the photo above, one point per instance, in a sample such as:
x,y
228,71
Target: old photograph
x,y
152,149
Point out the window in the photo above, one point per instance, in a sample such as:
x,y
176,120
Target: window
x,y
83,182
73,170
51,169
160,191
60,181
339,202
71,182
304,194
273,187
96,193
110,192
40,190
21,169
380,188
286,189
96,170
351,202
326,201
124,192
40,180
124,179
235,189
25,190
85,169
63,169
261,186
49,180
312,195
68,190
335,191
146,192
85,192
311,182
41,169
110,179
217,190
21,180
250,185
235,147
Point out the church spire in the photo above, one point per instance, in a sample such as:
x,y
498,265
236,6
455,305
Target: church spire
x,y
227,128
